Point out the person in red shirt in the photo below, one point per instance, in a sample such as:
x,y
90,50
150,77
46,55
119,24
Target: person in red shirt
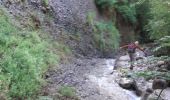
x,y
131,48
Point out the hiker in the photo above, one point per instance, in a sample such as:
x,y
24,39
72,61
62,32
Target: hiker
x,y
131,48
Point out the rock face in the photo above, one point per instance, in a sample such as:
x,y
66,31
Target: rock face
x,y
67,22
72,13
72,16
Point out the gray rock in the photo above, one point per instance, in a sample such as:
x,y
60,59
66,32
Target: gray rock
x,y
127,83
159,84
147,93
72,13
140,86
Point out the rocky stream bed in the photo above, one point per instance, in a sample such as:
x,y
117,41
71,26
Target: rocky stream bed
x,y
95,79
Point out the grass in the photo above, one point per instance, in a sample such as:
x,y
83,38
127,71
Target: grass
x,y
25,57
45,98
67,91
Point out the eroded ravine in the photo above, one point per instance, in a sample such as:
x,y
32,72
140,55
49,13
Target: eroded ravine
x,y
92,80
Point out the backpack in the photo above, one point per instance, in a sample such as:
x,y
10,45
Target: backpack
x,y
131,48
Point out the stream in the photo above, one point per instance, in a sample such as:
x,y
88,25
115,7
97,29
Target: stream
x,y
107,84
95,79
92,79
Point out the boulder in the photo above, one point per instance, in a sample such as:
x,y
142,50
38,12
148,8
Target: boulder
x,y
146,94
154,96
159,84
127,83
160,63
131,84
168,65
139,89
141,86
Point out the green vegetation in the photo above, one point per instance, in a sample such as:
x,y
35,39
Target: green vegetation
x,y
45,2
106,35
163,46
159,23
102,4
151,74
67,91
45,98
155,22
128,12
142,12
25,57
124,7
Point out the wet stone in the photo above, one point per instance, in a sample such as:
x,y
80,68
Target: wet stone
x,y
127,83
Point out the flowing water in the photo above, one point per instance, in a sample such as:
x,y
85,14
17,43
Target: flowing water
x,y
107,83
93,80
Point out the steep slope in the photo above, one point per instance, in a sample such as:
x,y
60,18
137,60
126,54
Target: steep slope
x,y
72,14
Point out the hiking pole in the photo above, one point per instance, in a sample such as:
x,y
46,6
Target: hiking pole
x,y
159,83
160,94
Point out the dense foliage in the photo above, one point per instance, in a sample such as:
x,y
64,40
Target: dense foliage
x,y
105,34
124,7
102,4
159,23
25,57
154,19
142,11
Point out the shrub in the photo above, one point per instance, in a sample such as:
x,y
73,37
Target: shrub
x,y
24,59
106,36
159,23
128,12
142,12
67,91
105,3
163,46
45,2
124,7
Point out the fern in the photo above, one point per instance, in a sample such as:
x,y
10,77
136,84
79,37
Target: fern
x,y
128,13
159,23
123,7
105,3
153,74
164,44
